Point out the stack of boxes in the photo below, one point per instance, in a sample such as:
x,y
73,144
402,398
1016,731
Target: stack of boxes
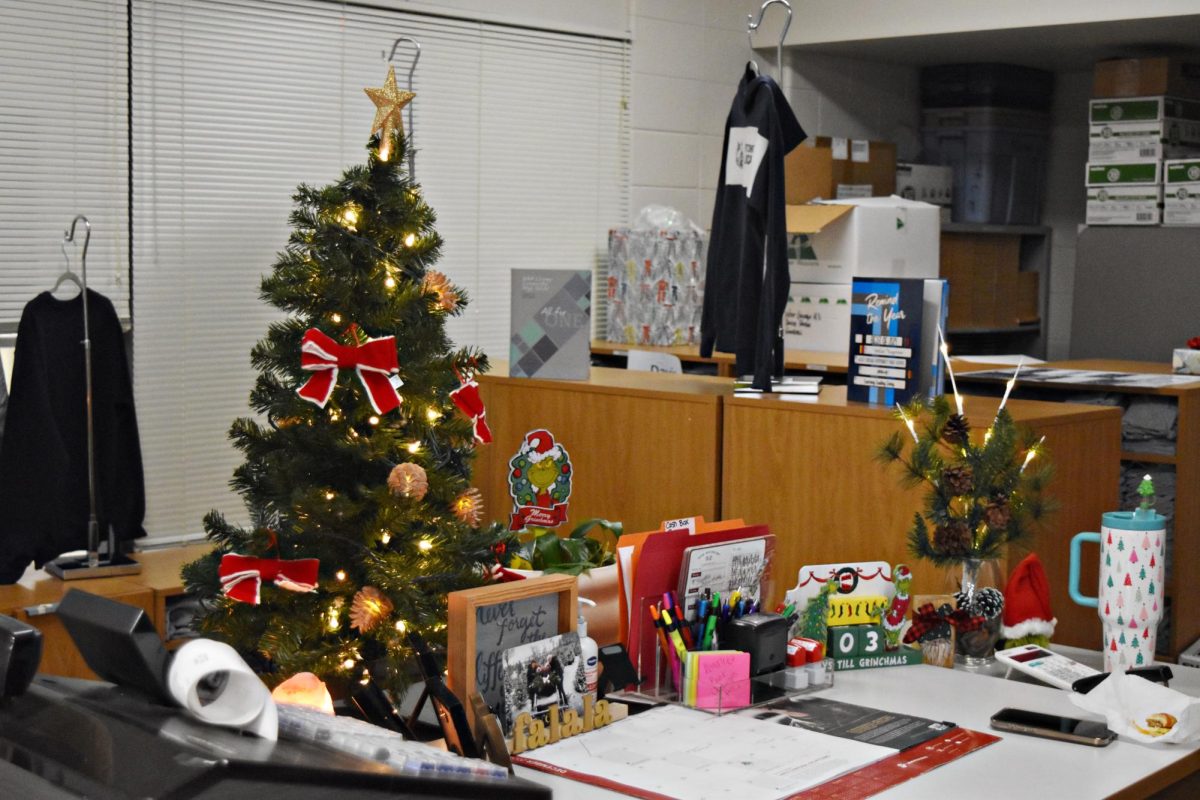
x,y
817,315
989,124
1144,142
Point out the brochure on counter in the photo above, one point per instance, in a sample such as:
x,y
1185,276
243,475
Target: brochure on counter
x,y
848,721
1085,377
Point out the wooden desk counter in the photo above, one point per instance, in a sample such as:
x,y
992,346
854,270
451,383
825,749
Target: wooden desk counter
x,y
645,446
808,471
34,599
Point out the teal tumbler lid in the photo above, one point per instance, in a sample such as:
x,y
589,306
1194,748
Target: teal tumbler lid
x,y
1139,520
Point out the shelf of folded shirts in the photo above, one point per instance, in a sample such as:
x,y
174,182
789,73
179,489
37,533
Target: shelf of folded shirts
x,y
1148,458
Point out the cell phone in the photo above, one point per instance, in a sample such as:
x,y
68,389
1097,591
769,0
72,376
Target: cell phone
x,y
1052,726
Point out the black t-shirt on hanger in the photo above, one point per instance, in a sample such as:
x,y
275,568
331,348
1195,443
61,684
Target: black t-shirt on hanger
x,y
747,279
43,456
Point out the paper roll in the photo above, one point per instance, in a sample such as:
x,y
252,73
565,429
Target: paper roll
x,y
215,685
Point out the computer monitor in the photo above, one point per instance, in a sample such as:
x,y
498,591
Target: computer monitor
x,y
117,641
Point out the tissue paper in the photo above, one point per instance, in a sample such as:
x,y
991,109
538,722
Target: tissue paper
x,y
1128,702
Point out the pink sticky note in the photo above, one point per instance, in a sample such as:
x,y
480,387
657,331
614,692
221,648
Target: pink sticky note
x,y
723,680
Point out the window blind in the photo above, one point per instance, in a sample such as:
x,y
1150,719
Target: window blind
x,y
522,149
63,147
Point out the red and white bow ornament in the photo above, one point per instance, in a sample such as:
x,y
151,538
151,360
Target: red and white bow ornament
x,y
242,576
467,398
375,362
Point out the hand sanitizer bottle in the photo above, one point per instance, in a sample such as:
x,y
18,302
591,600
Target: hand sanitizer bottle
x,y
587,645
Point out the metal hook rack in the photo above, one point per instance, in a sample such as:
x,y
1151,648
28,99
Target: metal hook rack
x,y
409,131
752,26
91,566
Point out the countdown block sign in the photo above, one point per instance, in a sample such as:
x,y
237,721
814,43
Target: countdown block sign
x,y
862,647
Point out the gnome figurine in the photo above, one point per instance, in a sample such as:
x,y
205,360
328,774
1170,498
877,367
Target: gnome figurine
x,y
1027,615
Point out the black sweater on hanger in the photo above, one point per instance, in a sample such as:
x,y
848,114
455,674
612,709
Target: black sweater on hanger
x,y
43,456
747,279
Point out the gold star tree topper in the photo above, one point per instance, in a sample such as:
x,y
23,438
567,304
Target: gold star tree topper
x,y
389,101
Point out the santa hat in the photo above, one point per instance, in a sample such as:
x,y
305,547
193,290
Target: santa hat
x,y
539,445
1027,601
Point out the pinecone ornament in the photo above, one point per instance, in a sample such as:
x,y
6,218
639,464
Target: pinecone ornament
x,y
956,430
987,602
408,480
438,284
369,607
468,507
998,512
958,480
953,539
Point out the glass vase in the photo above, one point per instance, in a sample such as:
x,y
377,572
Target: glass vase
x,y
979,596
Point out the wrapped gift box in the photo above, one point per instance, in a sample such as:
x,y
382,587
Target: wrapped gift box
x,y
655,286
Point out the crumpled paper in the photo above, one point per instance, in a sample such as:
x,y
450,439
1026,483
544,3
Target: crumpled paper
x,y
1126,701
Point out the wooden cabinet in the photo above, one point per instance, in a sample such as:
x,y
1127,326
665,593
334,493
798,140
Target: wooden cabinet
x,y
1183,579
644,446
808,471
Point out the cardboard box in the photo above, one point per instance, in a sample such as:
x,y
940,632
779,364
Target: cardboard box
x,y
886,237
1130,77
985,279
1181,192
817,317
1138,172
817,170
1113,142
1141,109
925,182
1027,298
1131,204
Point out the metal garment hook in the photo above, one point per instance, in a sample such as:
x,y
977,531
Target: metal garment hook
x,y
69,236
752,25
412,68
69,275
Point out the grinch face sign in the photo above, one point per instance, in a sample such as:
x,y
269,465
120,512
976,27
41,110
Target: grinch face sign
x,y
539,481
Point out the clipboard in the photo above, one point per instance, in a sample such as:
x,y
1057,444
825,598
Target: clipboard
x,y
723,567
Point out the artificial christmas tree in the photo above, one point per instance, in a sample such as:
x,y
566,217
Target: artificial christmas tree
x,y
357,475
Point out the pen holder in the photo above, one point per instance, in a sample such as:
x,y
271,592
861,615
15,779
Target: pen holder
x,y
764,636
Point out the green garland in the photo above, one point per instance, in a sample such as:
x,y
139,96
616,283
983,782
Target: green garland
x,y
984,491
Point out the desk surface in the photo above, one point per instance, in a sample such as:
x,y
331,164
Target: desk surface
x,y
1015,767
805,360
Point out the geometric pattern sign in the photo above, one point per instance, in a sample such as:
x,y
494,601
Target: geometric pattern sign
x,y
550,324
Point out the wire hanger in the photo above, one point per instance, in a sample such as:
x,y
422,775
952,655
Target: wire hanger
x,y
409,130
752,25
69,274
